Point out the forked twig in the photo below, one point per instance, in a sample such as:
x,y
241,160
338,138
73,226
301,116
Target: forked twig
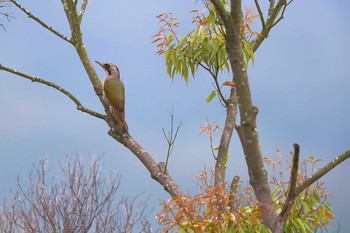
x,y
170,138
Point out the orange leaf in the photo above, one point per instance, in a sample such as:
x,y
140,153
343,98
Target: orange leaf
x,y
230,84
156,40
203,130
329,215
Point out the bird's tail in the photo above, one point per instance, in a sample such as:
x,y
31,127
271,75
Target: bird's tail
x,y
124,126
121,123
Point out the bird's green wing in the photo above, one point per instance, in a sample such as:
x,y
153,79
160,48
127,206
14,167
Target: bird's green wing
x,y
115,93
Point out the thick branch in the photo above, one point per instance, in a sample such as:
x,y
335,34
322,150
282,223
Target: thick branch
x,y
57,87
70,10
231,105
220,9
156,173
30,15
248,130
221,161
73,19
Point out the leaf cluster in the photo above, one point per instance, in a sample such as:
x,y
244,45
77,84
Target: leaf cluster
x,y
311,209
204,213
204,46
212,209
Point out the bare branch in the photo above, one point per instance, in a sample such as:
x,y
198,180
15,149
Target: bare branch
x,y
222,156
249,135
261,15
282,14
217,85
80,107
81,201
294,171
292,185
220,7
82,10
233,192
165,180
272,20
342,157
30,15
271,8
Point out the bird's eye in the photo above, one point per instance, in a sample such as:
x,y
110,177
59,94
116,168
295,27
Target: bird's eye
x,y
108,65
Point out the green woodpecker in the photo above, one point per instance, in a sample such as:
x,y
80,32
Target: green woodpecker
x,y
114,93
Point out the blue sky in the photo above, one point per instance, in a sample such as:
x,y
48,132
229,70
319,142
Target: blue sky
x,y
300,82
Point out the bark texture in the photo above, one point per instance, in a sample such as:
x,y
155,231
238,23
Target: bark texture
x,y
247,130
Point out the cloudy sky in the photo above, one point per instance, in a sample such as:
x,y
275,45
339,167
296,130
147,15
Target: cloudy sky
x,y
300,82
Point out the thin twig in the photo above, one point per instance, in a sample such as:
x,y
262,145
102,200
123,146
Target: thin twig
x,y
8,15
170,138
57,87
218,89
260,13
271,21
282,14
30,15
215,77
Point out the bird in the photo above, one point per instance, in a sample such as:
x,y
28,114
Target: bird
x,y
114,94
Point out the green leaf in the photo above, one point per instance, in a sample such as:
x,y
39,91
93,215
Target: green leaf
x,y
170,38
305,205
248,52
317,199
169,69
210,96
211,17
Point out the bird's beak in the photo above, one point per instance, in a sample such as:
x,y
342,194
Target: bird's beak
x,y
101,64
